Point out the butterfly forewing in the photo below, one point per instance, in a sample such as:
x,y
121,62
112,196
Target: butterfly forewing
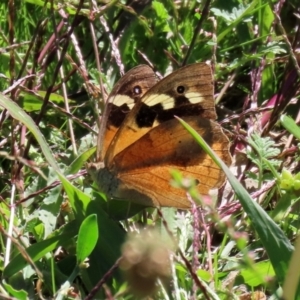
x,y
126,93
186,92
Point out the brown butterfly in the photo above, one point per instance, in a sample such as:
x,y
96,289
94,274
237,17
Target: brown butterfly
x,y
142,140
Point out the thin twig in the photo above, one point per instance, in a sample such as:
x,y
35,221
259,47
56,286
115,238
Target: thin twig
x,y
106,276
196,31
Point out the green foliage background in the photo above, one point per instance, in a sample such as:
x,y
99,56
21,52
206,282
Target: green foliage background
x,y
57,57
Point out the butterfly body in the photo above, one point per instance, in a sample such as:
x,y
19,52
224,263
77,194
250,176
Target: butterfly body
x,y
150,141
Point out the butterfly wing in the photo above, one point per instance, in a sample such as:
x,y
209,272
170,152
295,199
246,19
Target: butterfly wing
x,y
142,170
126,93
186,92
150,142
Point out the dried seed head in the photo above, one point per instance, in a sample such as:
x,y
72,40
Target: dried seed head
x,y
146,258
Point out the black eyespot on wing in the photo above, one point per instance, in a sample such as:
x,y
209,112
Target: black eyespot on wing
x,y
180,89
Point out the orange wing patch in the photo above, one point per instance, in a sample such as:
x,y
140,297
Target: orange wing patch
x,y
144,166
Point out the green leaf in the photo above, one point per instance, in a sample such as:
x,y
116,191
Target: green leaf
x,y
236,17
283,206
20,295
87,238
204,275
121,209
289,124
80,160
19,114
33,102
264,146
257,275
38,250
161,24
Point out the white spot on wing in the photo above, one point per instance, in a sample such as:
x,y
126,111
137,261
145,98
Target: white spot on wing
x,y
119,100
194,97
166,101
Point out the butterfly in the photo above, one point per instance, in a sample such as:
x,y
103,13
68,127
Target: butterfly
x,y
142,140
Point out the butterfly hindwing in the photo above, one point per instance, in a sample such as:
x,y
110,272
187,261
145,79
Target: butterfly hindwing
x,y
145,165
